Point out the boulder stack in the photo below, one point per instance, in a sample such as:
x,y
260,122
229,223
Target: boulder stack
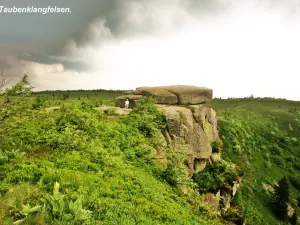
x,y
191,124
169,95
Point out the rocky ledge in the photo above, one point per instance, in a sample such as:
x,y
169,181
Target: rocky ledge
x,y
191,135
170,95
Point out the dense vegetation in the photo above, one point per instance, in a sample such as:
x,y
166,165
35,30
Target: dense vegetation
x,y
262,137
63,161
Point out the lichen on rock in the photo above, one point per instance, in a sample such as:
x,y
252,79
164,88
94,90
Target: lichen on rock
x,y
188,135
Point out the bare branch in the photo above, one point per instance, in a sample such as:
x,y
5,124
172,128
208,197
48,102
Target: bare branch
x,y
4,80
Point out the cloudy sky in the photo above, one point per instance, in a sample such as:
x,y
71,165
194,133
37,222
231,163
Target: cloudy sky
x,y
235,47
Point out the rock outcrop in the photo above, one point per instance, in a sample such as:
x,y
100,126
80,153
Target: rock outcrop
x,y
190,132
163,96
171,95
190,139
191,124
190,95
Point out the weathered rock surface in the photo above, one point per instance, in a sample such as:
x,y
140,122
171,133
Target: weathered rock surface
x,y
162,96
120,101
228,194
216,157
117,111
190,132
171,95
190,95
213,201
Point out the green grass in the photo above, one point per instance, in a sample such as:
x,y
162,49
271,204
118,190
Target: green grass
x,y
73,94
104,166
101,167
262,137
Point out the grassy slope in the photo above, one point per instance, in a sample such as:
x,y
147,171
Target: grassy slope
x,y
261,136
106,96
101,163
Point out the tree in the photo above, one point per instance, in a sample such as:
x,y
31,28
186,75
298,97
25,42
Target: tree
x,y
7,106
22,88
281,199
3,80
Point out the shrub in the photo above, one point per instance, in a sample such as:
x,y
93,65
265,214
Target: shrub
x,y
278,161
216,176
111,112
276,150
146,117
234,215
3,158
217,146
39,102
281,199
295,181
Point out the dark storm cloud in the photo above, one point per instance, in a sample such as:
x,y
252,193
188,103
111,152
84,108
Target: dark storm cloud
x,y
44,36
48,34
117,15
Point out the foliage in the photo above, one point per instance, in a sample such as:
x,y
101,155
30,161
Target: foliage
x,y
10,106
104,164
217,146
111,112
295,181
216,176
146,117
281,199
77,165
26,211
63,209
257,137
235,215
176,173
22,88
39,102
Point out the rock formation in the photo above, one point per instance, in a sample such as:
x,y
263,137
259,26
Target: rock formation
x,y
191,124
190,132
171,95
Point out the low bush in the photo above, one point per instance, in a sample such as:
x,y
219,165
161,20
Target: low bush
x,y
216,176
217,146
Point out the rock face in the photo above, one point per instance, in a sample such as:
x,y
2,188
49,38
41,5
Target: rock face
x,y
191,127
229,193
190,95
162,96
190,131
171,95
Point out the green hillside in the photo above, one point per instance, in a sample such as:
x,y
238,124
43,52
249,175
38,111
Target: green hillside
x,y
106,96
63,161
262,136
